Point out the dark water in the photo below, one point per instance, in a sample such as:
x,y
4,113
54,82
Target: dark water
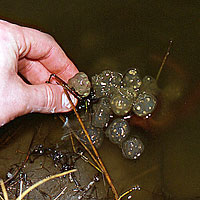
x,y
118,35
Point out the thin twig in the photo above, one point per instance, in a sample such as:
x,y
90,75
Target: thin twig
x,y
1,197
90,153
61,193
72,141
21,186
137,187
5,194
164,60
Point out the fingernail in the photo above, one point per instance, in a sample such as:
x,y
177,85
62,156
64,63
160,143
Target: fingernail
x,y
65,101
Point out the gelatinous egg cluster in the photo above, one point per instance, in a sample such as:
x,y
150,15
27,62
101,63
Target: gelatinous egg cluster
x,y
117,96
126,93
123,95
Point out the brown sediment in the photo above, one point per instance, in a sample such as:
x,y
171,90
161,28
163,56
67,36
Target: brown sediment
x,y
43,181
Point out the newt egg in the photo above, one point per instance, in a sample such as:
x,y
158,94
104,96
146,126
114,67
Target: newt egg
x,y
149,85
122,100
118,131
132,148
144,104
101,114
132,79
95,134
104,82
81,84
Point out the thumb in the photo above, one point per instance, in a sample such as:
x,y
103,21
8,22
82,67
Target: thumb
x,y
48,98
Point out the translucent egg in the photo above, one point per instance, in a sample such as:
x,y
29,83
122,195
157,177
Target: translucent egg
x,y
120,105
81,84
98,87
132,79
144,104
116,79
95,134
103,82
118,131
121,101
149,85
101,113
132,148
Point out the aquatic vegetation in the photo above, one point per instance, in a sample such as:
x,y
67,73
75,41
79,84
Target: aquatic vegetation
x,y
33,186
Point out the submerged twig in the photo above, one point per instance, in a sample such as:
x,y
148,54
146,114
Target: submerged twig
x,y
21,186
137,187
93,147
72,141
5,194
99,168
164,60
61,193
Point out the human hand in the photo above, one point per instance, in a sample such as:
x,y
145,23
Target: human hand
x,y
35,55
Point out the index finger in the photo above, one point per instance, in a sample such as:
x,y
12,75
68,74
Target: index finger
x,y
42,47
35,45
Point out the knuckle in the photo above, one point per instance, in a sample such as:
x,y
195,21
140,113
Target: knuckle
x,y
49,37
